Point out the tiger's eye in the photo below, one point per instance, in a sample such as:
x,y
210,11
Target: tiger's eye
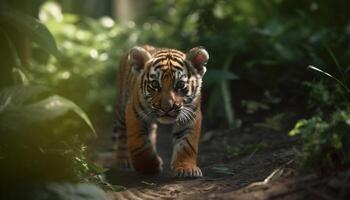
x,y
155,84
180,85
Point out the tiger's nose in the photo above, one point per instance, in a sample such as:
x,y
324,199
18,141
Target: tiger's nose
x,y
167,105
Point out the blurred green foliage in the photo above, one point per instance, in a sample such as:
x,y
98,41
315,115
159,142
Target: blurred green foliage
x,y
41,133
256,47
326,141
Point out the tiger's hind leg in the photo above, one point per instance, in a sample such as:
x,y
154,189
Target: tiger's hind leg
x,y
120,138
141,144
122,155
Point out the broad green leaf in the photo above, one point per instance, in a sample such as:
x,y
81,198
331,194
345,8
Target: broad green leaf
x,y
215,75
15,58
14,107
30,27
18,95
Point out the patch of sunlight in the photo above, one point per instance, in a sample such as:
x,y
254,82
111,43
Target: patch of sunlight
x,y
67,44
131,24
51,68
133,38
107,22
65,75
69,30
103,57
115,31
50,11
147,26
82,35
53,104
109,108
155,27
172,11
94,53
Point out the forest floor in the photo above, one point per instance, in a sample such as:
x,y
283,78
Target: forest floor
x,y
246,163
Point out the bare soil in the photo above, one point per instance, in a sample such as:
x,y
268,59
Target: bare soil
x,y
223,172
246,163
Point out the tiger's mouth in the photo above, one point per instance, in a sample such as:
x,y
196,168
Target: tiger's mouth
x,y
167,119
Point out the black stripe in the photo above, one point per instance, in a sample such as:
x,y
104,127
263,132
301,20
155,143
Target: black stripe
x,y
193,107
151,88
159,66
143,85
140,106
138,116
178,68
161,51
188,68
194,90
120,125
178,60
176,65
180,133
185,90
184,148
155,62
177,53
140,149
189,144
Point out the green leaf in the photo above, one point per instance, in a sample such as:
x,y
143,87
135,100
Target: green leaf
x,y
13,51
23,79
215,75
30,27
222,170
18,95
14,109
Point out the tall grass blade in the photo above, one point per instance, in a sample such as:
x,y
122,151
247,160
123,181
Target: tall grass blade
x,y
330,76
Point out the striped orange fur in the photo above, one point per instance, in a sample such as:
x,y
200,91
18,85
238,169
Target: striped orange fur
x,y
159,85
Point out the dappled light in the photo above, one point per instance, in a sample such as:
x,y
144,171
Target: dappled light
x,y
176,99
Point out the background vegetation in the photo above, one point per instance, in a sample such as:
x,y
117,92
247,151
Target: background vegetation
x,y
260,52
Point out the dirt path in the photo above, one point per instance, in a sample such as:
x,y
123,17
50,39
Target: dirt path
x,y
230,160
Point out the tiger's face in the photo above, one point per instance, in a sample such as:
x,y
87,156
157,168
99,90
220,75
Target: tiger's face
x,y
170,82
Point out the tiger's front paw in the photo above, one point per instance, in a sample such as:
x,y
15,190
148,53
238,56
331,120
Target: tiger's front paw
x,y
187,171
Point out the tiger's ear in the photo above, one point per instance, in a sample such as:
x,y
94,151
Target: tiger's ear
x,y
138,57
198,57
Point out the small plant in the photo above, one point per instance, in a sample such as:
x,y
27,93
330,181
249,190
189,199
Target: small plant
x,y
326,141
326,135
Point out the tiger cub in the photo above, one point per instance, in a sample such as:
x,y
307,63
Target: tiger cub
x,y
159,85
